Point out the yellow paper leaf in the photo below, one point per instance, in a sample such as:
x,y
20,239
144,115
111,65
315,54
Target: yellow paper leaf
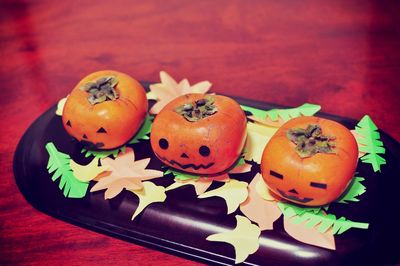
x,y
263,190
60,106
233,192
201,184
85,173
261,211
148,195
244,238
257,137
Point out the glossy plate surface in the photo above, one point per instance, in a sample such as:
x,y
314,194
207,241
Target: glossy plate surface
x,y
181,224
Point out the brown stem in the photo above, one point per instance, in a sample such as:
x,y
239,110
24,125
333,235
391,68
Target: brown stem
x,y
101,90
197,110
310,141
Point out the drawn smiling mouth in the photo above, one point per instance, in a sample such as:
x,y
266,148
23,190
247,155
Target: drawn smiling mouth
x,y
292,197
185,166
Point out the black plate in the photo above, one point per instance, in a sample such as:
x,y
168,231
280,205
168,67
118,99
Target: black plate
x,y
181,224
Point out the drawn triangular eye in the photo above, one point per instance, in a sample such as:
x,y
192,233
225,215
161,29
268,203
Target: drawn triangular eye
x,y
84,136
69,123
101,130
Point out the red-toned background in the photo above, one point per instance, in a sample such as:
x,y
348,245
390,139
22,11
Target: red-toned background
x,y
343,55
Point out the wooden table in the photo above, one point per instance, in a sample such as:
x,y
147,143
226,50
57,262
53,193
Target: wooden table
x,y
343,55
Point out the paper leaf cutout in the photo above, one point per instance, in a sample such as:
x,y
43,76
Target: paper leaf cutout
x,y
169,89
200,185
233,192
126,173
370,143
144,130
261,211
323,222
59,165
309,235
148,195
263,191
277,117
244,238
85,173
103,154
257,137
354,190
182,176
60,106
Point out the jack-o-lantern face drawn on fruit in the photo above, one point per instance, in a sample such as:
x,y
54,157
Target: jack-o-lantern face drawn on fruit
x,y
310,160
201,134
105,109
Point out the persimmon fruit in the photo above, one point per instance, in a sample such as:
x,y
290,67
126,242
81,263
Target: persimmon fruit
x,y
310,160
200,134
105,109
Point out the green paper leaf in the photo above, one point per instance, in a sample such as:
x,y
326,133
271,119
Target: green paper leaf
x,y
354,190
369,142
323,222
181,175
143,132
58,164
103,154
306,109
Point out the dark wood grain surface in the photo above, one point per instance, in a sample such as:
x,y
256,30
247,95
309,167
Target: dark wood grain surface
x,y
343,55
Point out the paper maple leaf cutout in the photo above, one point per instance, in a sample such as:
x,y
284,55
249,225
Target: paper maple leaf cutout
x,y
262,209
202,183
124,172
244,238
169,89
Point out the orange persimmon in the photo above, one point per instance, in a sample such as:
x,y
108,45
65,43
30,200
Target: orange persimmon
x,y
105,109
310,160
201,134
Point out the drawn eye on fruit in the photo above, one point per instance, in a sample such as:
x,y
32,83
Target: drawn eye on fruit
x,y
105,109
310,160
197,133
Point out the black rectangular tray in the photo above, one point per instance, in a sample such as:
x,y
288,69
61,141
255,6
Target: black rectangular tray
x,y
181,224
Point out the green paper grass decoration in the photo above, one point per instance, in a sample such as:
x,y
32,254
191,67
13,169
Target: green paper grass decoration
x,y
323,221
142,134
370,143
103,154
354,190
306,109
181,175
58,164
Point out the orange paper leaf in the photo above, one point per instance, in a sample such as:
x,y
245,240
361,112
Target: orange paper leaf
x,y
357,136
124,172
309,235
263,212
169,89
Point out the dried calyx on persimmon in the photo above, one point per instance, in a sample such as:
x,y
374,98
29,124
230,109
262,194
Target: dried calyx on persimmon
x,y
310,141
101,90
198,109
